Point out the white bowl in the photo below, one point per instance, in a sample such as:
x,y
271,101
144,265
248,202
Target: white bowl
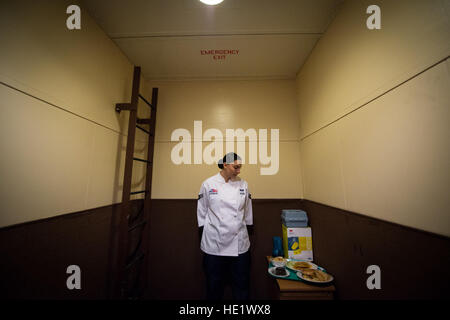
x,y
279,262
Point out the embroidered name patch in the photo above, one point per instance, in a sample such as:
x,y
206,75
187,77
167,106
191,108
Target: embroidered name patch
x,y
242,191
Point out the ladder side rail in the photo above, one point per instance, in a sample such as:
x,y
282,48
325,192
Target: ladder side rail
x,y
125,207
148,186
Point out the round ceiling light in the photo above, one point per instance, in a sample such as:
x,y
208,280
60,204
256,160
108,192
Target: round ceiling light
x,y
211,2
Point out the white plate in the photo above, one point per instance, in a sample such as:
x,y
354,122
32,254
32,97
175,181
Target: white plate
x,y
272,272
313,266
299,274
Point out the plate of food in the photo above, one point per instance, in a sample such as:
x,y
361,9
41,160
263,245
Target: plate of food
x,y
315,276
280,272
300,265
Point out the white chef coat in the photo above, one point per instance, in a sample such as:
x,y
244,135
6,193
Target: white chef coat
x,y
223,210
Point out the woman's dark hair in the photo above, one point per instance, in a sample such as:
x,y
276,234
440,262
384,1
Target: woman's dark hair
x,y
230,157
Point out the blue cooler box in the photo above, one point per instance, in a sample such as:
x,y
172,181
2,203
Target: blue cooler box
x,y
294,218
297,237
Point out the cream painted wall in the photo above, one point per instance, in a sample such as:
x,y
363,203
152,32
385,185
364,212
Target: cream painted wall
x,y
62,143
263,104
374,110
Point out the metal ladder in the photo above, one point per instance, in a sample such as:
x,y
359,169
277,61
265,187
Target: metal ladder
x,y
129,256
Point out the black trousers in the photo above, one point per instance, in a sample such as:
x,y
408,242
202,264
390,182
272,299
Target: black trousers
x,y
220,269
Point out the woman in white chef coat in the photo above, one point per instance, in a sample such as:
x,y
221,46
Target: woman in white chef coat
x,y
224,210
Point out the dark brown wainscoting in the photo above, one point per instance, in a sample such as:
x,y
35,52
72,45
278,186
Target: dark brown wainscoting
x,y
35,255
413,263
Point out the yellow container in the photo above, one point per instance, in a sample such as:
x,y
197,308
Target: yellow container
x,y
297,243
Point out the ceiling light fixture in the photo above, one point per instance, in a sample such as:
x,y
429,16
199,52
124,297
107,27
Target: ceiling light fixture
x,y
211,2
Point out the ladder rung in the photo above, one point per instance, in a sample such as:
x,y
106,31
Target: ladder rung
x,y
145,100
142,160
143,121
137,192
146,131
135,260
137,225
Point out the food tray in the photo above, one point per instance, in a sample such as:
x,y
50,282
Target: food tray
x,y
292,274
